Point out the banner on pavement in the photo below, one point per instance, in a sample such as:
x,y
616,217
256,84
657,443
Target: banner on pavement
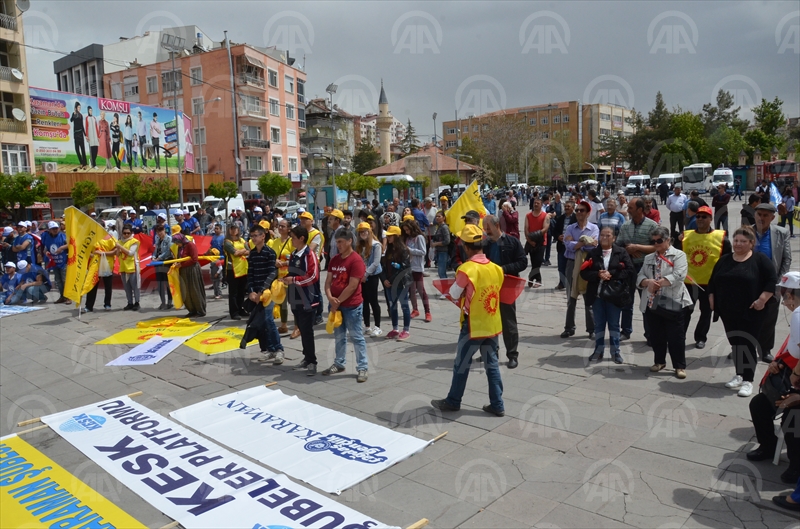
x,y
11,310
142,334
148,353
217,341
325,448
189,478
36,492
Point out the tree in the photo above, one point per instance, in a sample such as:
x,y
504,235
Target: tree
x,y
401,186
505,143
224,191
408,145
724,145
658,117
349,182
723,114
368,183
769,116
84,193
610,150
366,157
449,179
159,192
131,191
425,181
19,191
273,185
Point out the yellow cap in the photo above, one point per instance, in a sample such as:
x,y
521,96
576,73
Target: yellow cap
x,y
306,215
176,228
408,217
471,233
363,226
338,214
264,224
393,230
444,199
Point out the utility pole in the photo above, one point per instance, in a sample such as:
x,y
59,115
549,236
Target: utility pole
x,y
234,116
174,45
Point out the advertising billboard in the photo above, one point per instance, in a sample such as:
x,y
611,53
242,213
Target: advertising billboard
x,y
90,133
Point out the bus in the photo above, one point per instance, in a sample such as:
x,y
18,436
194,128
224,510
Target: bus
x,y
782,172
697,177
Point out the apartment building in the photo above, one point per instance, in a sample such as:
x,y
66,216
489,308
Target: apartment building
x,y
16,145
269,103
604,120
323,136
368,128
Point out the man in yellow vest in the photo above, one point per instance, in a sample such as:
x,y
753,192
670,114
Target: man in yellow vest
x,y
703,248
477,289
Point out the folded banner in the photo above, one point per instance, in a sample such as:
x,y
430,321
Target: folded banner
x,y
11,310
327,449
140,335
149,352
36,492
188,477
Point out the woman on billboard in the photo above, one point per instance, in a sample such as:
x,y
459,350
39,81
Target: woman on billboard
x,y
78,134
92,135
105,139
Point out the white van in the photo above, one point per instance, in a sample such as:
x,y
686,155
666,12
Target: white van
x,y
113,213
642,180
191,206
722,176
672,179
216,206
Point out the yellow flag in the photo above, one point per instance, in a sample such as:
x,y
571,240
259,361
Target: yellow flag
x,y
173,277
83,234
469,200
92,276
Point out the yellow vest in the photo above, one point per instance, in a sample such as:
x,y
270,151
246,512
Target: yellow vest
x,y
484,308
313,233
702,253
239,263
283,251
127,264
108,245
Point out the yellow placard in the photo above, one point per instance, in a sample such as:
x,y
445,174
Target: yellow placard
x,y
469,200
141,335
217,341
166,321
36,492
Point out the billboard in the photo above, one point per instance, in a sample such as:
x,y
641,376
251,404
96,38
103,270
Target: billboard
x,y
81,131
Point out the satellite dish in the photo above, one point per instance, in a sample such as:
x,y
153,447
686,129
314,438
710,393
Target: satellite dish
x,y
23,5
19,114
238,161
244,128
17,74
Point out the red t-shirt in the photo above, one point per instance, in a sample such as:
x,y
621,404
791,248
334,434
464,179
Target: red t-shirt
x,y
342,270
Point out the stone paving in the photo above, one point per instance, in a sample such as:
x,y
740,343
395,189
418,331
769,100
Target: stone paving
x,y
580,446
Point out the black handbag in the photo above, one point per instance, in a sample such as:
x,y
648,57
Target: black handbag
x,y
776,385
615,291
666,307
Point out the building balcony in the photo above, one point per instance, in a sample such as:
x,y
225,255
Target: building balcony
x,y
6,75
8,22
246,111
12,125
250,174
251,80
250,143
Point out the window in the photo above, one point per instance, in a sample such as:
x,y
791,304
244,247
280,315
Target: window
x,y
274,107
291,138
152,85
171,81
197,106
116,91
618,133
277,164
15,159
288,83
450,144
451,131
485,126
289,111
76,75
545,135
253,163
203,164
301,117
605,117
475,128
6,111
465,130
556,119
272,76
617,121
64,83
565,119
93,80
252,105
169,103
275,135
131,86
293,165
252,133
200,136
301,91
555,134
196,75
543,121
605,132
532,122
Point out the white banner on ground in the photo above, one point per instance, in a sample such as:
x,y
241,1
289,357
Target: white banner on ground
x,y
11,310
190,479
330,450
150,352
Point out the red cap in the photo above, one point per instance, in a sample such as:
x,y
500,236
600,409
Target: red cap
x,y
585,203
706,210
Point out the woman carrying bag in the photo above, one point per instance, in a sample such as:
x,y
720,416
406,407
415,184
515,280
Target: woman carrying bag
x,y
609,271
664,298
396,279
370,251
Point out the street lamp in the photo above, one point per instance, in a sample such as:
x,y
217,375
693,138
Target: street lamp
x,y
436,150
331,89
173,45
200,127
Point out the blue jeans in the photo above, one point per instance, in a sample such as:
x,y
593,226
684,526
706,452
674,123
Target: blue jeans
x,y
606,313
442,259
270,340
466,350
392,298
36,293
352,321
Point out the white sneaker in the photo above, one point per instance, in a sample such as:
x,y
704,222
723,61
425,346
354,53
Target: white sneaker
x,y
746,390
735,382
442,297
368,331
376,331
278,358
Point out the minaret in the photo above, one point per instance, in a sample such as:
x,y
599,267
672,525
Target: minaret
x,y
384,124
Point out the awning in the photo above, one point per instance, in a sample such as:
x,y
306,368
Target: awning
x,y
255,62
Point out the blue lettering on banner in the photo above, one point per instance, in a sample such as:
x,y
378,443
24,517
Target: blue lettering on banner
x,y
140,358
352,449
82,422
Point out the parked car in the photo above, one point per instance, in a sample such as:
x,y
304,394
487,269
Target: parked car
x,y
216,206
113,213
287,206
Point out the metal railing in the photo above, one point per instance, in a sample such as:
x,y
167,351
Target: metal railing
x,y
6,75
16,169
252,80
12,125
8,22
251,143
247,110
251,174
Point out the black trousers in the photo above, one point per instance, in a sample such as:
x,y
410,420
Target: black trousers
x,y
80,148
704,323
142,141
304,319
742,332
158,154
762,412
371,304
537,258
92,295
676,219
318,294
115,152
236,291
766,334
508,315
93,150
667,335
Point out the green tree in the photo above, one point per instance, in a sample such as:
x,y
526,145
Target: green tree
x,y
159,192
659,116
366,157
224,191
723,114
769,116
273,185
408,145
19,191
349,182
368,183
724,145
84,193
131,191
449,179
425,181
611,150
402,186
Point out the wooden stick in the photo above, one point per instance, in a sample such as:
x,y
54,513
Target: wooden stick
x,y
438,437
171,525
38,419
33,429
268,384
418,525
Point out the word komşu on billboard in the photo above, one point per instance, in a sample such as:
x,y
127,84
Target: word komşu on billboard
x,y
75,130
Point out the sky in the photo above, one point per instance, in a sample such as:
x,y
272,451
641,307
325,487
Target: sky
x,y
475,57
